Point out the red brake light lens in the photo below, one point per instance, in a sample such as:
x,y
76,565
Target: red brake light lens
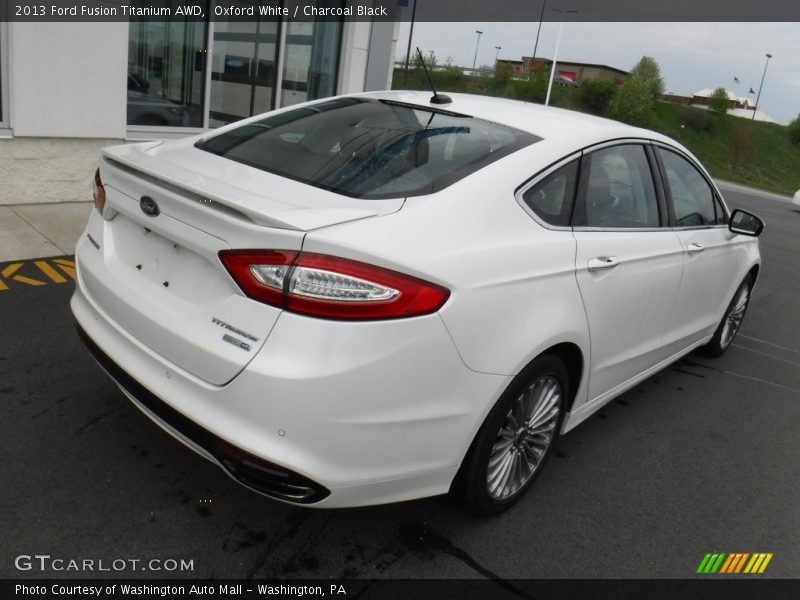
x,y
99,192
249,270
330,287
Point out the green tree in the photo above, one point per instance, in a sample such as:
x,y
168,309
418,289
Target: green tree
x,y
647,70
534,89
718,101
633,103
696,118
429,60
794,131
595,95
503,71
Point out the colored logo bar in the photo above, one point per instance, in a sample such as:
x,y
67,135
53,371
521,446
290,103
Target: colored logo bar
x,y
734,563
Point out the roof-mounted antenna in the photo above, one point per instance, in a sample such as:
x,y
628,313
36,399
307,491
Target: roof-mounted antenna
x,y
436,98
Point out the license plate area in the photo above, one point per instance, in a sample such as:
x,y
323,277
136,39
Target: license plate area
x,y
157,261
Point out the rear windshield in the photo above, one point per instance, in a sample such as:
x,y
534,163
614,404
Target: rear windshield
x,y
366,148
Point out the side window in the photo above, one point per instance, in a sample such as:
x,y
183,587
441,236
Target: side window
x,y
692,196
551,198
617,189
722,218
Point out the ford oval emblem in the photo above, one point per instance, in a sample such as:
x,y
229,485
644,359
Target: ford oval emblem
x,y
149,206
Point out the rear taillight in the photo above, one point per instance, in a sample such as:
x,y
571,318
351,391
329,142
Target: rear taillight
x,y
99,192
329,287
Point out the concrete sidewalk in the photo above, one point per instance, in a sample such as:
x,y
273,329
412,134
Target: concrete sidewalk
x,y
41,230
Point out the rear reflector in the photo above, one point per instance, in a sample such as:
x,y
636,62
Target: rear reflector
x,y
329,287
99,192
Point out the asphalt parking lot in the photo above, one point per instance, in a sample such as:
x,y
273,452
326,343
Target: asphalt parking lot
x,y
702,457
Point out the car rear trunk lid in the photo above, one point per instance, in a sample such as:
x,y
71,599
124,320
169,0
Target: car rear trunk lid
x,y
158,276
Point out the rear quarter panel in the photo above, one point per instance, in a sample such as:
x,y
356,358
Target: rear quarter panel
x,y
512,281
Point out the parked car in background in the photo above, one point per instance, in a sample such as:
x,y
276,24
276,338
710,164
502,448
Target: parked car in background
x,y
796,199
374,298
147,109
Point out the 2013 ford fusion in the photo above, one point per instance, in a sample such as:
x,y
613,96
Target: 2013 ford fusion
x,y
374,298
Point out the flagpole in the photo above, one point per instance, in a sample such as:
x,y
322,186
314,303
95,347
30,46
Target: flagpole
x,y
408,51
758,97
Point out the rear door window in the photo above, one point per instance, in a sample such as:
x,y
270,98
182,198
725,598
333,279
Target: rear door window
x,y
367,148
617,190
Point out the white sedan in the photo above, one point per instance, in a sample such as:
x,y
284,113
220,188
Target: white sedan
x,y
374,298
796,199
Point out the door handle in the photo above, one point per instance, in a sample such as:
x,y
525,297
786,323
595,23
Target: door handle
x,y
694,248
603,262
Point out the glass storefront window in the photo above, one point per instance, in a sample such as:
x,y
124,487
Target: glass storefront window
x,y
168,62
166,72
311,61
243,69
2,75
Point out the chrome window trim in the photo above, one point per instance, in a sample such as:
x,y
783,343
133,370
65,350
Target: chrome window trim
x,y
703,173
622,229
693,227
627,141
537,178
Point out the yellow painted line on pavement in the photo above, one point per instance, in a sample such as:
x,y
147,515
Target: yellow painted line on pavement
x,y
68,266
50,271
29,273
10,270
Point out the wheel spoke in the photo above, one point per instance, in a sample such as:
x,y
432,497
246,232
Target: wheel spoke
x,y
507,472
495,477
498,451
733,319
524,438
545,408
543,428
518,411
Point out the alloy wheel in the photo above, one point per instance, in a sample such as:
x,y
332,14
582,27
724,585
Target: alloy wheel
x,y
524,438
735,315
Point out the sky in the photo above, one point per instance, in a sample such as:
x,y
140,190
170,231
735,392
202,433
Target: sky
x,y
692,56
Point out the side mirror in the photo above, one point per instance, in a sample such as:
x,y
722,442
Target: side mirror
x,y
745,223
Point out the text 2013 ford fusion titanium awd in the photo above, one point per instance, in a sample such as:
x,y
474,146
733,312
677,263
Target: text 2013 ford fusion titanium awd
x,y
374,298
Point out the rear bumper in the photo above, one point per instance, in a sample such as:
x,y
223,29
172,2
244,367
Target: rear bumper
x,y
251,471
327,414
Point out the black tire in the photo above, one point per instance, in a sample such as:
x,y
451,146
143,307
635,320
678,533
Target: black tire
x,y
471,485
722,339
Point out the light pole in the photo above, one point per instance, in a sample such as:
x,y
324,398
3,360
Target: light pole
x,y
758,97
538,31
475,60
408,51
498,48
555,54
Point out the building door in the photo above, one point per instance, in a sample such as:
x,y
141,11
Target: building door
x,y
243,70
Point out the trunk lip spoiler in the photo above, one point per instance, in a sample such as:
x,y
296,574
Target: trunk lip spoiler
x,y
286,216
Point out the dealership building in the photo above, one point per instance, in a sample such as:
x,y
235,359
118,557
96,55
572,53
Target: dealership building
x,y
68,89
